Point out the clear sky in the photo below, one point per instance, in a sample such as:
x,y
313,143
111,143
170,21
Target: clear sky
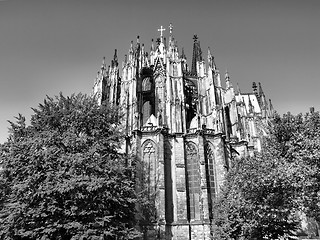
x,y
48,46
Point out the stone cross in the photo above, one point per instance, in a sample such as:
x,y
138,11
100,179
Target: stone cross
x,y
161,30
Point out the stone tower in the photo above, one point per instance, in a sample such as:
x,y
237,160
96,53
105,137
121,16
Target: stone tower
x,y
184,127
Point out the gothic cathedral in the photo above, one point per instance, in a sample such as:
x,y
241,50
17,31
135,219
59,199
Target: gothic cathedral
x,y
185,125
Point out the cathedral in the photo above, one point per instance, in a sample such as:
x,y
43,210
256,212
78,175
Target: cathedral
x,y
186,124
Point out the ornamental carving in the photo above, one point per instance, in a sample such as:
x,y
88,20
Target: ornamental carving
x,y
191,149
149,149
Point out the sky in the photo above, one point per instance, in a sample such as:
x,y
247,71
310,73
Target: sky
x,y
52,46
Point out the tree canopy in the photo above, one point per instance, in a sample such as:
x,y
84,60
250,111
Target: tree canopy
x,y
264,195
63,176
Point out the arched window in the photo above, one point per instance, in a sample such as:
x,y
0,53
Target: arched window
x,y
191,101
149,166
146,112
175,70
146,84
229,124
193,176
211,168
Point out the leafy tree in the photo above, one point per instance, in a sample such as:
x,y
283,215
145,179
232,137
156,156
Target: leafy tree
x,y
302,148
263,195
63,175
258,200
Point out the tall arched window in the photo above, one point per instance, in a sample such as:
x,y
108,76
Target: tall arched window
x,y
193,178
149,174
190,101
228,120
148,98
146,112
211,168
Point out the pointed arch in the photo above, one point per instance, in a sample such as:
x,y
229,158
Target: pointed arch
x,y
193,179
149,170
146,111
211,171
191,94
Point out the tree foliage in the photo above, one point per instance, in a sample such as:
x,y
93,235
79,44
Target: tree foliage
x,y
63,176
302,148
258,200
264,194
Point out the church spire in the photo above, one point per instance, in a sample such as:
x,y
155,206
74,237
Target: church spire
x,y
209,58
131,52
271,106
238,89
170,32
138,46
152,46
260,90
227,78
170,29
197,55
183,55
254,88
211,62
103,66
251,109
114,62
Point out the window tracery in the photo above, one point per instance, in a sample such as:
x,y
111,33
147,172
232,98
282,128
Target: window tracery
x,y
211,169
146,84
149,166
193,176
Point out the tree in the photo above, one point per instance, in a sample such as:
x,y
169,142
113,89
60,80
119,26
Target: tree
x,y
258,200
301,147
264,195
63,175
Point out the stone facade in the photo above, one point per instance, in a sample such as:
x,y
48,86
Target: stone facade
x,y
184,127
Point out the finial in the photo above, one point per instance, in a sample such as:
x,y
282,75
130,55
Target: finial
x,y
152,45
138,39
183,54
251,108
131,47
209,57
270,105
170,28
254,87
115,57
260,90
238,89
103,63
226,76
209,53
195,37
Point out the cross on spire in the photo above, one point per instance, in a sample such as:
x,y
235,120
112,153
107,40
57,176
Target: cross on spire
x,y
161,29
